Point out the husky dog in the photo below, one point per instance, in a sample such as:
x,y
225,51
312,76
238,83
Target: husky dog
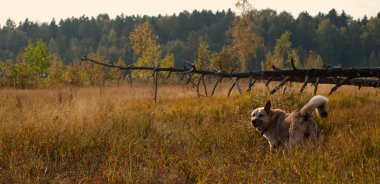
x,y
283,129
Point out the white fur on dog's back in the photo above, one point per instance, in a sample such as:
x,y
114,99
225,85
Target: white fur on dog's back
x,y
315,102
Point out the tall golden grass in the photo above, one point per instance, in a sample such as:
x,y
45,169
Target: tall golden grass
x,y
120,135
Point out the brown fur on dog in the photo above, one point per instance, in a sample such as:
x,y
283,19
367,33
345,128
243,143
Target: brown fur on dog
x,y
288,129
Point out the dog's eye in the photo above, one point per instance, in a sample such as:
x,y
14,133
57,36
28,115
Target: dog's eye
x,y
261,115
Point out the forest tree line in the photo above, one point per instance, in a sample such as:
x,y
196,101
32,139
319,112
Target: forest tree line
x,y
32,53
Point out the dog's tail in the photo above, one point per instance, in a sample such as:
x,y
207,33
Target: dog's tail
x,y
317,102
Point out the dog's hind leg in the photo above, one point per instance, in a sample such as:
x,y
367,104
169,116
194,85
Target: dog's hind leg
x,y
313,134
311,131
313,137
295,137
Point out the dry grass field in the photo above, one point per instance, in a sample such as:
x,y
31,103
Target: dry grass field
x,y
120,135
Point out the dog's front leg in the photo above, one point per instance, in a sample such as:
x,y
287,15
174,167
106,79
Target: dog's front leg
x,y
274,146
270,147
292,142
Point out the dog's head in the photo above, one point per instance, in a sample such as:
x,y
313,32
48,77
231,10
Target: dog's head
x,y
260,117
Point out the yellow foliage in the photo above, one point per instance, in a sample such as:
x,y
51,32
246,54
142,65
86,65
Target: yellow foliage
x,y
224,60
167,61
144,44
202,60
245,41
313,60
272,59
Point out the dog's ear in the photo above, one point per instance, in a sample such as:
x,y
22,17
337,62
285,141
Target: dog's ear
x,y
267,106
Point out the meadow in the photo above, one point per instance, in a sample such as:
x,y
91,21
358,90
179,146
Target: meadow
x,y
120,135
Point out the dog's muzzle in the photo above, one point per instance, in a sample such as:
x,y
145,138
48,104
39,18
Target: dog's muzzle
x,y
256,123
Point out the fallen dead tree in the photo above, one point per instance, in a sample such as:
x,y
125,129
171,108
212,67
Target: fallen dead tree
x,y
361,77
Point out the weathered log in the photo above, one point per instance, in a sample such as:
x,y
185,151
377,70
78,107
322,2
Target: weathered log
x,y
155,74
283,82
204,85
232,87
237,85
316,85
199,82
251,82
167,77
304,84
216,84
320,72
340,83
328,75
267,82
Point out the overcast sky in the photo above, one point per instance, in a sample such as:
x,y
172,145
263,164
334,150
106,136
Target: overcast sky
x,y
45,10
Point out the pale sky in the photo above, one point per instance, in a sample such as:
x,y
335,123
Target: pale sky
x,y
44,10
